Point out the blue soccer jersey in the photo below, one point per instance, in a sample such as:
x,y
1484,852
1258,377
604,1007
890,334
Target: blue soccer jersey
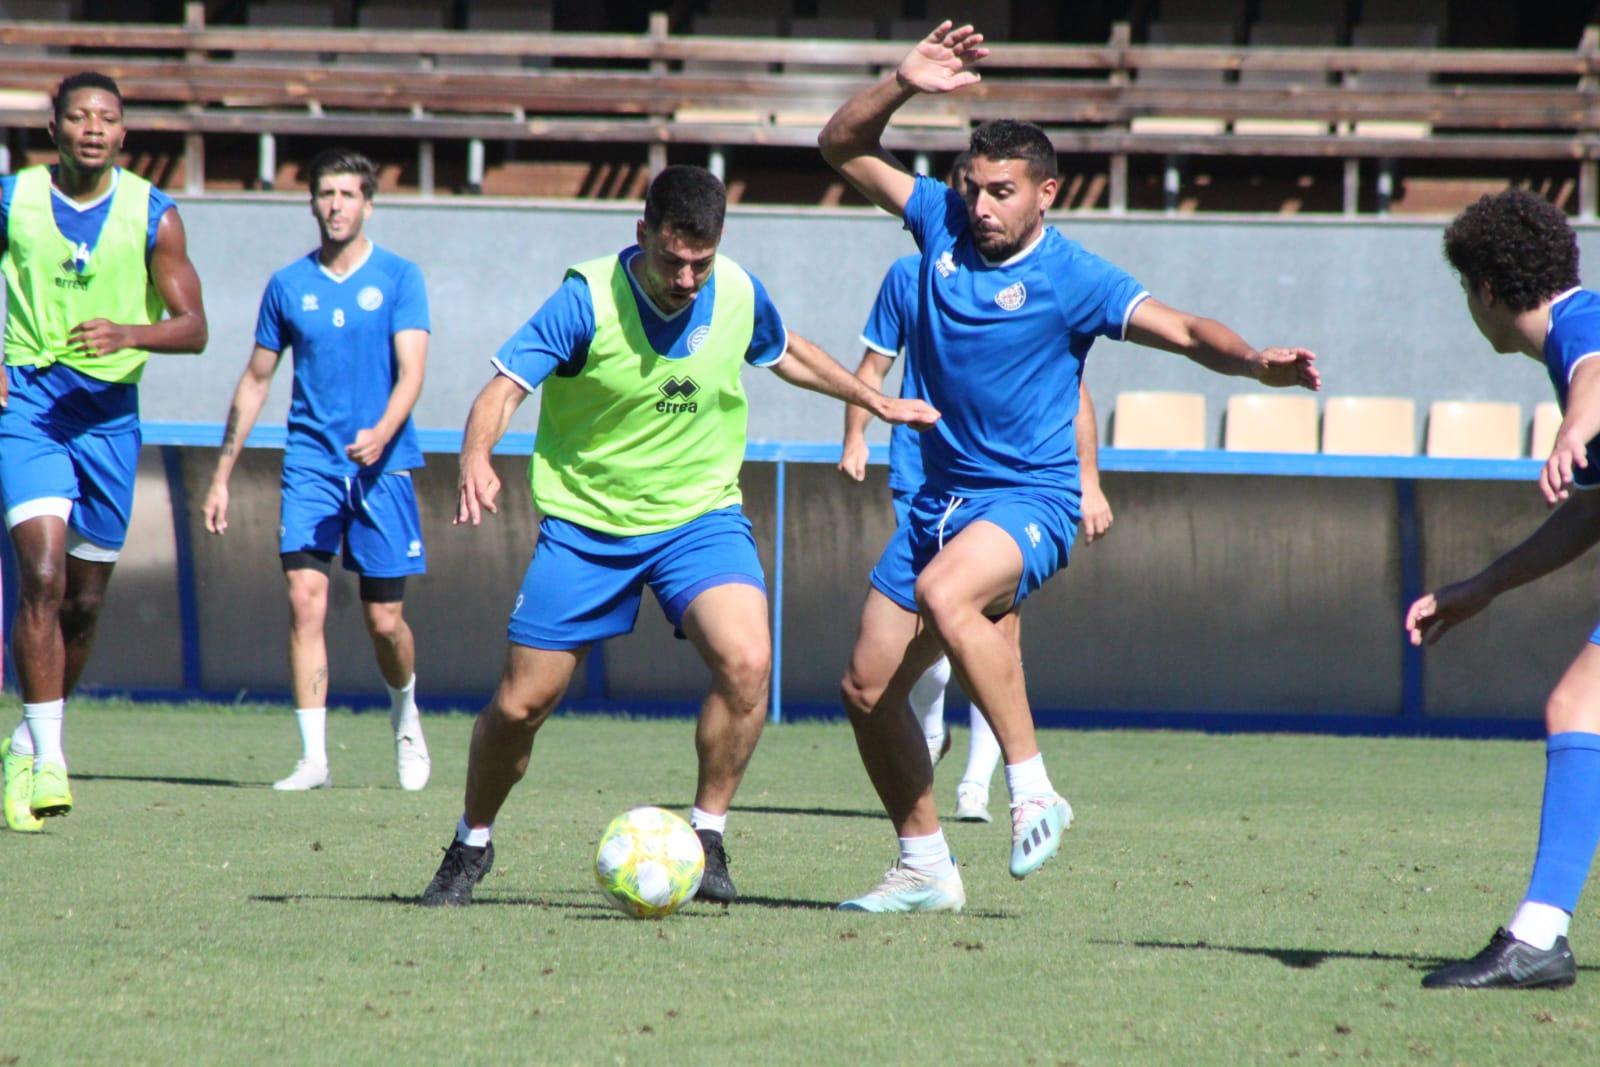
x,y
887,332
999,348
556,340
1574,336
67,397
341,331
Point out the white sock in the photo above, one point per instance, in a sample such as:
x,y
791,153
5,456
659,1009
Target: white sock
x,y
927,699
701,819
22,739
1539,924
403,715
44,724
473,836
983,754
930,854
313,734
1029,779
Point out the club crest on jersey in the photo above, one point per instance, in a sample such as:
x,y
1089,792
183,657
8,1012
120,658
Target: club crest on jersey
x,y
370,298
1012,296
945,264
308,302
698,337
678,393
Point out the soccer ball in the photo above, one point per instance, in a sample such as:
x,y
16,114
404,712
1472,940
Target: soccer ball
x,y
649,862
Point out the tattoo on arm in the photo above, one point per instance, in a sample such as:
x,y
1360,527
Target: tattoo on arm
x,y
230,431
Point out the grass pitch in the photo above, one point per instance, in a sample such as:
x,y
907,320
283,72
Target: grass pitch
x,y
1221,900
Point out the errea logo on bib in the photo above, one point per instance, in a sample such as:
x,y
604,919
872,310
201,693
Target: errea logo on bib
x,y
370,298
1012,296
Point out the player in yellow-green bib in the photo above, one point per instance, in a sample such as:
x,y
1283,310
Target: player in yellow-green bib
x,y
97,277
642,430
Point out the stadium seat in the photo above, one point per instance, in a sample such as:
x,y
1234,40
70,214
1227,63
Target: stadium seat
x,y
1270,422
1159,420
1546,421
287,15
1414,35
1320,12
399,15
1184,33
830,29
1293,35
1474,430
1370,426
34,11
729,26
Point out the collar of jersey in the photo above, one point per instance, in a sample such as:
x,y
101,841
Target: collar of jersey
x,y
1015,258
80,208
1550,316
638,287
340,279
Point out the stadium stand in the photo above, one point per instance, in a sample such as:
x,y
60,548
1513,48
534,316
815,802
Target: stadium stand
x,y
1270,422
1369,426
1542,434
1460,429
1159,420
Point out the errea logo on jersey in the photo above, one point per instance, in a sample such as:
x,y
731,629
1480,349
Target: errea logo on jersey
x,y
1032,530
308,302
678,392
945,264
1012,296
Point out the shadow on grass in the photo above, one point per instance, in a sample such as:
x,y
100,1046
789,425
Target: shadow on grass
x,y
397,898
168,780
832,813
1303,959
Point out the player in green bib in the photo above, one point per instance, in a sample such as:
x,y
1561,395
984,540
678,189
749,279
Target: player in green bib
x,y
97,277
642,432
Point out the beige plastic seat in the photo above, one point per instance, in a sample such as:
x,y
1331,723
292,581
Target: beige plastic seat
x,y
1159,420
1201,81
1370,426
1474,430
1270,422
1546,421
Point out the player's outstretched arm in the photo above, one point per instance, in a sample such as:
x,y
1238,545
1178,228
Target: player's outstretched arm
x,y
486,424
853,456
184,329
1568,533
249,396
1215,347
411,362
809,367
852,140
1579,425
1096,508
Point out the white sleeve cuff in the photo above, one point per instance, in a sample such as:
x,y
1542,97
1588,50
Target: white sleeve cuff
x,y
1144,294
501,368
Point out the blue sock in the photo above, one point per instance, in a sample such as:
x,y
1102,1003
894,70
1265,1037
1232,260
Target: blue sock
x,y
1569,823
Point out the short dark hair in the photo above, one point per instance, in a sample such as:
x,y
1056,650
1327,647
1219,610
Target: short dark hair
x,y
84,79
343,161
1521,244
958,170
691,200
1012,139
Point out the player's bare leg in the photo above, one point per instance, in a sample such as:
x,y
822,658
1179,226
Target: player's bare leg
x,y
876,689
531,685
892,652
308,677
973,578
727,624
33,756
395,649
81,604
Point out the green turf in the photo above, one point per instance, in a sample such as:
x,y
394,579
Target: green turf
x,y
1221,900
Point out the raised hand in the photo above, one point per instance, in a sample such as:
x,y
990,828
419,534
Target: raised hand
x,y
942,61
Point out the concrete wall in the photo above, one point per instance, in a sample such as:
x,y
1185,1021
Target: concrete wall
x,y
1373,298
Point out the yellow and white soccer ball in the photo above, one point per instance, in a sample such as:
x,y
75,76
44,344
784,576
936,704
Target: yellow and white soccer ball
x,y
649,862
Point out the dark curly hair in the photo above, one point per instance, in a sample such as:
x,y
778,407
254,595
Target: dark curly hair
x,y
691,200
1012,139
1521,244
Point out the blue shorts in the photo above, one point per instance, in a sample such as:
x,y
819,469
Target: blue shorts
x,y
1043,525
370,519
41,459
584,586
902,505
